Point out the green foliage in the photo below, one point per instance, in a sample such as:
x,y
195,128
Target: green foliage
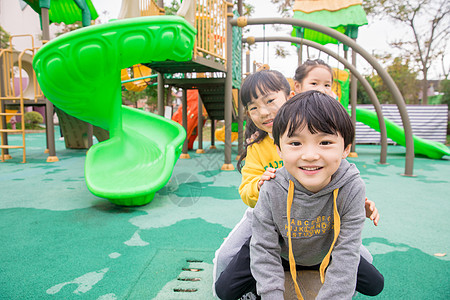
x,y
63,28
362,97
4,38
285,7
173,7
33,117
151,93
248,9
281,51
27,126
132,97
427,21
404,77
444,87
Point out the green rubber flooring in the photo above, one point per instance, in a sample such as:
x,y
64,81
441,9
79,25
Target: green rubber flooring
x,y
58,241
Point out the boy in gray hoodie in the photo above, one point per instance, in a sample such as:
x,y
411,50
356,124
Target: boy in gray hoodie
x,y
312,213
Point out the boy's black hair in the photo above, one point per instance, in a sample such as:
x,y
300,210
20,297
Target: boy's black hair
x,y
303,70
318,111
261,82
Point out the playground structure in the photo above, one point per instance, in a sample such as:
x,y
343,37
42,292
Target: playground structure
x,y
10,58
78,134
195,115
147,155
211,70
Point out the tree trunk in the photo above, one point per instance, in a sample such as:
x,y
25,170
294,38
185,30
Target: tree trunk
x,y
424,88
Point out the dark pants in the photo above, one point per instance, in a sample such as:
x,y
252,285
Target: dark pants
x,y
237,280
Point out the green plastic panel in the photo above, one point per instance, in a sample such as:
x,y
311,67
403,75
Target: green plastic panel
x,y
66,11
79,72
237,55
346,21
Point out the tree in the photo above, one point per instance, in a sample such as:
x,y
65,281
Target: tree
x,y
444,88
65,28
132,97
404,77
285,7
4,38
428,22
173,8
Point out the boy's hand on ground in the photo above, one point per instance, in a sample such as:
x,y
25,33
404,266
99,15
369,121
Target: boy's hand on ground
x,y
267,175
372,211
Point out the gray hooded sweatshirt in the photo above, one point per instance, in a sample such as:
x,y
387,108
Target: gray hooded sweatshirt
x,y
311,232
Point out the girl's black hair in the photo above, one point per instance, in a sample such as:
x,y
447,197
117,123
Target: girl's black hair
x,y
316,110
302,71
259,83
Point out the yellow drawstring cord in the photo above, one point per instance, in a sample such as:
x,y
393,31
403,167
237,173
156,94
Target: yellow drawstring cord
x,y
337,229
326,260
291,254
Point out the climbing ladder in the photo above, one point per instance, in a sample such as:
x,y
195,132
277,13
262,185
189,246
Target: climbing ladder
x,y
12,61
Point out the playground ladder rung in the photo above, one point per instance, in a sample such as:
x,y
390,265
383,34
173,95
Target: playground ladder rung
x,y
10,147
11,114
16,98
10,98
11,130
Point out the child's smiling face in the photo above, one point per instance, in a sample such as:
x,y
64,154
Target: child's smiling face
x,y
263,109
312,158
319,78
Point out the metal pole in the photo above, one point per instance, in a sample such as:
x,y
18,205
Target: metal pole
x,y
300,54
227,166
3,110
184,152
398,98
241,112
239,4
213,131
247,62
353,96
49,126
160,104
348,65
90,134
200,125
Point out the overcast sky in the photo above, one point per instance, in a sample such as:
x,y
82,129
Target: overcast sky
x,y
373,38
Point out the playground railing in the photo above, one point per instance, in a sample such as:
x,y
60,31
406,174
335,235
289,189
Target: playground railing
x,y
211,25
12,62
210,22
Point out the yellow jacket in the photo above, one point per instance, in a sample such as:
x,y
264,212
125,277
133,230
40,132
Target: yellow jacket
x,y
260,156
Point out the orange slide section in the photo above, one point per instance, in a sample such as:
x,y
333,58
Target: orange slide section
x,y
192,116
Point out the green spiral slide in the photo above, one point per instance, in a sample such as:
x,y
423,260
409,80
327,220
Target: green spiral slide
x,y
396,133
79,72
